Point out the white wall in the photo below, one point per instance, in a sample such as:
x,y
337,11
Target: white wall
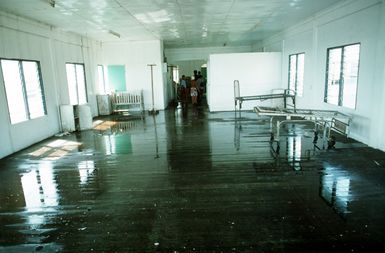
x,y
380,79
258,73
136,56
24,39
190,59
345,23
174,55
168,86
75,50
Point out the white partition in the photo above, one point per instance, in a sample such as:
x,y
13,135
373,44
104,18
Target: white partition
x,y
258,74
67,118
85,117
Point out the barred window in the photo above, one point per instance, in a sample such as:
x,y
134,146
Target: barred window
x,y
296,73
342,75
24,89
76,83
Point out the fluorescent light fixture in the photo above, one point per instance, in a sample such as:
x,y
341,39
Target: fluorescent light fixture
x,y
114,33
154,17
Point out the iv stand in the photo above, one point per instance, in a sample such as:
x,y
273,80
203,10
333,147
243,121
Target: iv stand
x,y
152,111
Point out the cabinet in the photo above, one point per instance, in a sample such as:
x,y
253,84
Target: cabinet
x,y
75,117
104,104
84,117
67,118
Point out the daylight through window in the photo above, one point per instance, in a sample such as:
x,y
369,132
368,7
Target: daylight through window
x,y
76,83
102,80
296,73
342,75
24,89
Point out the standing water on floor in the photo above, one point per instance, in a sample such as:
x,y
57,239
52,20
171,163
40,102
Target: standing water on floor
x,y
187,180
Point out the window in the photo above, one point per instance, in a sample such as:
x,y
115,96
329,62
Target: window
x,y
76,83
102,79
296,72
24,89
342,75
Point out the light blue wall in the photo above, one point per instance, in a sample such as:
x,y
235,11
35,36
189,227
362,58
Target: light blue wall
x,y
117,77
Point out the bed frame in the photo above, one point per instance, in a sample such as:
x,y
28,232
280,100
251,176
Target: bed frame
x,y
125,102
328,120
284,94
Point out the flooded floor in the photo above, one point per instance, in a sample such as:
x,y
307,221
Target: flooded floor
x,y
192,181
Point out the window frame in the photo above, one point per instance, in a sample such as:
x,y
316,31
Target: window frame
x,y
341,79
24,89
296,73
103,75
76,79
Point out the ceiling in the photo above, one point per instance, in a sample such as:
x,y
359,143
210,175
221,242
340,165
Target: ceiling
x,y
179,23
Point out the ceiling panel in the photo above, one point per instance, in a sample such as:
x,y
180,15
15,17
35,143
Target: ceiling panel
x,y
179,23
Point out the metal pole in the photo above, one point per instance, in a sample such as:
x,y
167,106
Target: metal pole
x,y
156,139
152,86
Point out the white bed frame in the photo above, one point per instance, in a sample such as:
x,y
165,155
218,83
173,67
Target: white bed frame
x,y
125,102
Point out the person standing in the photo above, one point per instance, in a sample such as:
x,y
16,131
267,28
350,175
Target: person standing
x,y
193,92
195,74
183,89
199,85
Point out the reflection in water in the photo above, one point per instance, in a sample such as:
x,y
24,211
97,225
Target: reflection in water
x,y
115,127
293,151
86,170
104,125
124,126
237,134
40,194
117,144
187,139
109,142
156,139
115,136
178,116
335,190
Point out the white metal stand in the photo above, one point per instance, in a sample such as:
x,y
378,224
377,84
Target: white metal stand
x,y
152,111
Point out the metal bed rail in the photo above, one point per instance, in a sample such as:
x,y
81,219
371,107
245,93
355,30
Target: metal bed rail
x,y
327,119
283,94
126,101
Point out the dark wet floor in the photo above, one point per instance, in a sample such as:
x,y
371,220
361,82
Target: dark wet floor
x,y
192,181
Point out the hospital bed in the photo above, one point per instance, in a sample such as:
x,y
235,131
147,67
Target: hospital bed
x,y
284,94
326,119
124,102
